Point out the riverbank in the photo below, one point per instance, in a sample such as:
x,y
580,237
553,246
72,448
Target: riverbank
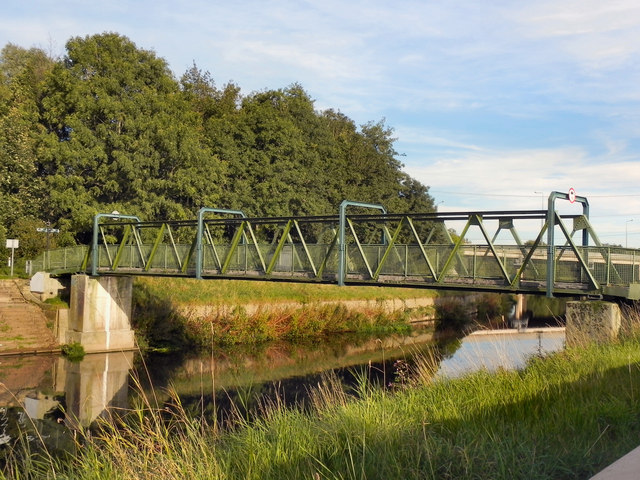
x,y
568,415
25,328
171,313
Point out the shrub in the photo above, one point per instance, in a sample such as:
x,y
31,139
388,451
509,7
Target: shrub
x,y
73,351
452,314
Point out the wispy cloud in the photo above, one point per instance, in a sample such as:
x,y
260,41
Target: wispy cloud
x,y
504,98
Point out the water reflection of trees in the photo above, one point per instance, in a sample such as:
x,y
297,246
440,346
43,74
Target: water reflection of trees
x,y
240,381
46,398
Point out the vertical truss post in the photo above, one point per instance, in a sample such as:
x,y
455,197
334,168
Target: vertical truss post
x,y
96,228
342,263
199,233
551,225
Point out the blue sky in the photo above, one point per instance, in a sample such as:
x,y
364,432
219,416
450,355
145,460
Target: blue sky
x,y
491,101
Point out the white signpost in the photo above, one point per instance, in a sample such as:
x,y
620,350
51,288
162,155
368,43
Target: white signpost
x,y
12,243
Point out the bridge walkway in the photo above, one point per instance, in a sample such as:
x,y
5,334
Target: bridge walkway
x,y
410,250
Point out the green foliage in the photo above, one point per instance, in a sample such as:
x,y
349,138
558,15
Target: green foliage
x,y
155,321
452,314
57,302
32,242
108,127
73,351
492,307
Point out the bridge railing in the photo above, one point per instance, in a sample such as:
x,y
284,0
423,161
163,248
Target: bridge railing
x,y
60,260
405,264
404,249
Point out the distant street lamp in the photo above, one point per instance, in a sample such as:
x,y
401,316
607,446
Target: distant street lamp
x,y
48,230
626,233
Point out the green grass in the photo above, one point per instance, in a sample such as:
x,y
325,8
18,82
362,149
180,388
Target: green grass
x,y
565,416
57,302
239,292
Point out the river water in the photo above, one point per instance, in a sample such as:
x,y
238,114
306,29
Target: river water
x,y
49,396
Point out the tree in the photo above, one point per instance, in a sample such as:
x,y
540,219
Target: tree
x,y
108,127
22,75
121,135
272,146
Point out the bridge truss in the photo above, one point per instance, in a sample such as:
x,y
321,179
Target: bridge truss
x,y
355,247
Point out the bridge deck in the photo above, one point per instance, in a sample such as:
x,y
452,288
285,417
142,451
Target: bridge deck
x,y
414,250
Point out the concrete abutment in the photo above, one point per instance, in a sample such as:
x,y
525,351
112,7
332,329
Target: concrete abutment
x,y
591,321
100,313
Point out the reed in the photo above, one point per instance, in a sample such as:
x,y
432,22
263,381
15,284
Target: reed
x,y
291,323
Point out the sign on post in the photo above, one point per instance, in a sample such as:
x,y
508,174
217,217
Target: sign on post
x,y
12,243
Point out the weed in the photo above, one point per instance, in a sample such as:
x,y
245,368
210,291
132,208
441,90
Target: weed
x,y
73,351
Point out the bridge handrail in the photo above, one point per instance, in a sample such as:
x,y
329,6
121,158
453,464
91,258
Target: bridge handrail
x,y
311,252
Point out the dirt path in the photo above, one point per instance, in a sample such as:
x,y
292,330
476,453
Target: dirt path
x,y
23,325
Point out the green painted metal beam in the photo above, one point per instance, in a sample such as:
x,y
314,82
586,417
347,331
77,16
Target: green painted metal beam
x,y
199,233
422,250
332,245
154,248
342,259
454,252
94,244
304,246
359,246
281,243
237,236
478,222
121,247
390,246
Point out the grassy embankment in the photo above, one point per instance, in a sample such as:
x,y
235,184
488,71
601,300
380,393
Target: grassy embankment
x,y
278,310
565,416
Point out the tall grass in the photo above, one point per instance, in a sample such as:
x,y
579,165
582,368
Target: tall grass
x,y
239,327
564,416
239,292
158,323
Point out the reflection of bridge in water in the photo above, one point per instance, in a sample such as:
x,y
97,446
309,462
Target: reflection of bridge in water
x,y
414,250
54,388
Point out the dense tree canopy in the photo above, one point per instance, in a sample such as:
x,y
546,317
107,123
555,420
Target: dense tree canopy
x,y
108,127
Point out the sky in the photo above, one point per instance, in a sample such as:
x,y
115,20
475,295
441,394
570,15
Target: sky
x,y
494,104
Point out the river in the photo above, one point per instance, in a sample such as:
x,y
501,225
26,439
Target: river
x,y
49,396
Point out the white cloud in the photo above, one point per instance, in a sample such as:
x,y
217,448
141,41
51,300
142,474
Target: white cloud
x,y
488,98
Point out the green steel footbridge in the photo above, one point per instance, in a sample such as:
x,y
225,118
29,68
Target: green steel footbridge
x,y
365,244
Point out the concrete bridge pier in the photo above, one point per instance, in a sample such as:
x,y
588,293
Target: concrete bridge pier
x,y
100,313
591,321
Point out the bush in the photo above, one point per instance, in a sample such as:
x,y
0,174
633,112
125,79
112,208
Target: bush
x,y
452,314
73,351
